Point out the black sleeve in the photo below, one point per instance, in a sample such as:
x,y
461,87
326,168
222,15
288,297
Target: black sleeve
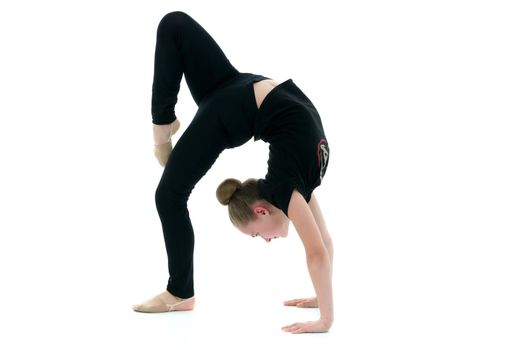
x,y
283,193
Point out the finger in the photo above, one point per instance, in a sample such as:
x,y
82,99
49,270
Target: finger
x,y
299,300
292,302
297,329
292,327
306,304
302,328
290,330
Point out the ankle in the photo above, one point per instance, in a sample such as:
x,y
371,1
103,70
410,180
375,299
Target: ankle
x,y
162,133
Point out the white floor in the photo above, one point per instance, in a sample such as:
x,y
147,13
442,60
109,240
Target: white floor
x,y
422,105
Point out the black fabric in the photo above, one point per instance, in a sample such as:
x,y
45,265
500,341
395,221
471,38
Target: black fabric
x,y
223,120
184,46
298,149
227,117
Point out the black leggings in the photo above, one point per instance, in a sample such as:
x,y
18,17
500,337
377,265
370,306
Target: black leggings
x,y
223,120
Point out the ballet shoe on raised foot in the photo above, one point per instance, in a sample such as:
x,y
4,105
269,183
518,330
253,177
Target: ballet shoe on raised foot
x,y
165,302
162,139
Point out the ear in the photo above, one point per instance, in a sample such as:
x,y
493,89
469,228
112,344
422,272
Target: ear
x,y
260,210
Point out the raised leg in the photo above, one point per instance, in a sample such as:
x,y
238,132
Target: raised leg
x,y
184,47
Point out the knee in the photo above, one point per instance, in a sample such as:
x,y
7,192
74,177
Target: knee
x,y
175,19
166,196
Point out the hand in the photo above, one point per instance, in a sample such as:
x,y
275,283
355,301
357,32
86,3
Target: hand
x,y
319,326
304,302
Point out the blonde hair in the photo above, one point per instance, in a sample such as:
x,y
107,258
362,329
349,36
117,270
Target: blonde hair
x,y
238,196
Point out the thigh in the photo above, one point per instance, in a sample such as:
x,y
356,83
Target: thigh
x,y
205,64
194,153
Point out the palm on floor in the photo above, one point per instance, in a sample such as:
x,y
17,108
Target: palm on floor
x,y
302,302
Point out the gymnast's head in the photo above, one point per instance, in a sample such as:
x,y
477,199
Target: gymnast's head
x,y
249,213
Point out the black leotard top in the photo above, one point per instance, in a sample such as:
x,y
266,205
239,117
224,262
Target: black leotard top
x,y
299,151
286,119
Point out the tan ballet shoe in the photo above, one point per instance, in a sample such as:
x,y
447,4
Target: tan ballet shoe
x,y
162,152
165,302
162,139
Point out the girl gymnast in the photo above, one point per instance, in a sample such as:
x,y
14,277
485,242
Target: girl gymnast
x,y
233,107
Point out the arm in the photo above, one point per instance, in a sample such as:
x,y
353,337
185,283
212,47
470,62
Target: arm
x,y
319,219
317,258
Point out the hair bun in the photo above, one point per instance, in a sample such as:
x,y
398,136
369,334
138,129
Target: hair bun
x,y
226,190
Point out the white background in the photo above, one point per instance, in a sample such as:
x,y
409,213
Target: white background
x,y
423,106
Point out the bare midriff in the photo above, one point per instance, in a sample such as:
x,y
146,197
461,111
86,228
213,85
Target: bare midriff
x,y
262,88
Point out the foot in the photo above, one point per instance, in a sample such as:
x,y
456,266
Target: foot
x,y
165,302
162,139
162,133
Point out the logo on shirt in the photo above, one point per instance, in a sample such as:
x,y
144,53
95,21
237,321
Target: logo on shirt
x,y
323,152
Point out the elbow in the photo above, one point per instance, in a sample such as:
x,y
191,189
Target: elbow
x,y
318,256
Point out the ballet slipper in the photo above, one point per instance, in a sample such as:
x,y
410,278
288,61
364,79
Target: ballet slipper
x,y
162,152
165,302
162,139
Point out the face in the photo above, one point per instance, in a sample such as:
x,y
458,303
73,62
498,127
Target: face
x,y
271,223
